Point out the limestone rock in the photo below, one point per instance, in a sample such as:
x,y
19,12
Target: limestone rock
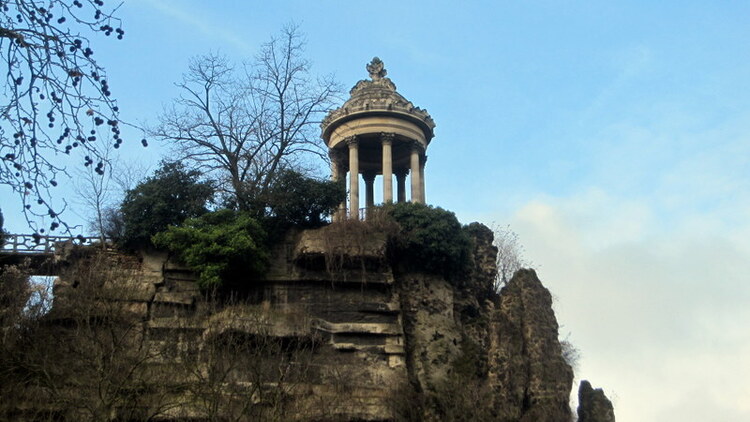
x,y
531,379
366,336
430,329
593,405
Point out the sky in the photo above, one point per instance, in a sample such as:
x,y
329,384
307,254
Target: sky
x,y
613,137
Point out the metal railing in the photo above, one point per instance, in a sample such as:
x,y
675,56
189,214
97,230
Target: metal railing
x,y
38,244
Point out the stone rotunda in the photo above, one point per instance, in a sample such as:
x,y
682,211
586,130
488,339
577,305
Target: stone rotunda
x,y
378,132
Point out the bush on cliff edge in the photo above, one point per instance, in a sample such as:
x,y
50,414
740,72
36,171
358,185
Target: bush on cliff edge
x,y
431,239
220,246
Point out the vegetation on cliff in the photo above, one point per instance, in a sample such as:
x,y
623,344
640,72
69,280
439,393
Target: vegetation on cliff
x,y
226,246
173,194
299,201
430,239
220,246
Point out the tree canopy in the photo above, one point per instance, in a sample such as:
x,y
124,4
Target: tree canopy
x,y
301,201
56,97
169,197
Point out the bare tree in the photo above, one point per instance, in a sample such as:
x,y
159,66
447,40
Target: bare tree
x,y
95,194
245,128
56,98
243,366
509,254
88,358
100,193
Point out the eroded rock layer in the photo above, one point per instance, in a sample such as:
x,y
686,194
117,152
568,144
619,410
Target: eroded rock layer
x,y
335,333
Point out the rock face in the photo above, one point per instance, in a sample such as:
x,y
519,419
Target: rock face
x,y
348,337
593,405
531,379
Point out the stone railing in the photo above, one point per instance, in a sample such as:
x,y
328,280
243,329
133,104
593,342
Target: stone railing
x,y
37,244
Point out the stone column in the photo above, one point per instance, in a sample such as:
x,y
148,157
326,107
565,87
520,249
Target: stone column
x,y
353,177
369,189
335,175
401,184
338,171
387,140
422,163
416,184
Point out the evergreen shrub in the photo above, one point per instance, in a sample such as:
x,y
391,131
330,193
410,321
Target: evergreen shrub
x,y
430,239
173,194
222,247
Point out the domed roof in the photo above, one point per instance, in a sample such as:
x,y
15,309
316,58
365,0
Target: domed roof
x,y
377,96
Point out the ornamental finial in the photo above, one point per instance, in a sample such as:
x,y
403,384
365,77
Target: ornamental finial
x,y
376,69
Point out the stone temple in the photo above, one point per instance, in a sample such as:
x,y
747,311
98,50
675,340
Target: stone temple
x,y
378,132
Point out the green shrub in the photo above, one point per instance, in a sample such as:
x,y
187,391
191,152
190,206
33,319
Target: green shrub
x,y
431,239
301,201
165,199
222,247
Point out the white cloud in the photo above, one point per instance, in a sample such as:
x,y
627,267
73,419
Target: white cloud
x,y
660,315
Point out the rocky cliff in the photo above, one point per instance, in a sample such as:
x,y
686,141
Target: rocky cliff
x,y
334,332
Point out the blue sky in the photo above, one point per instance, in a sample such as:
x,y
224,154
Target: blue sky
x,y
613,136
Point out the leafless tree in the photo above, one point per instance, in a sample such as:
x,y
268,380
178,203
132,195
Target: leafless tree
x,y
95,195
55,98
241,369
510,254
88,358
100,193
244,128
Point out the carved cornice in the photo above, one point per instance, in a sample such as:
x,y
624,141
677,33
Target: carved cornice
x,y
378,95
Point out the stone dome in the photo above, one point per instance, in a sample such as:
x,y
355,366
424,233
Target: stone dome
x,y
377,98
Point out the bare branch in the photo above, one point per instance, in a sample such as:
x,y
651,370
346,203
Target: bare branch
x,y
245,130
55,98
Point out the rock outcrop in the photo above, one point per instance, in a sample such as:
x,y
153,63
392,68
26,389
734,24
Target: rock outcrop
x,y
593,405
531,379
348,337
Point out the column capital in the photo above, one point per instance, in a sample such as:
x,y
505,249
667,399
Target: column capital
x,y
387,137
416,146
400,172
369,176
351,140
